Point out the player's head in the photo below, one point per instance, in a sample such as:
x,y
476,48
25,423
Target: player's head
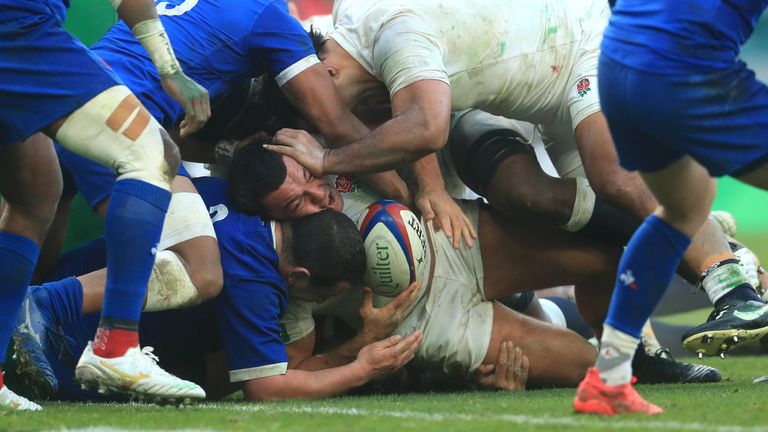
x,y
353,82
322,255
269,184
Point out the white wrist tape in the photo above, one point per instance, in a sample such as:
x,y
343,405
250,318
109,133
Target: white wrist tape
x,y
152,36
583,206
116,3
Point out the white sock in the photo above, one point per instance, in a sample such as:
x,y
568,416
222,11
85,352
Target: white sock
x,y
616,352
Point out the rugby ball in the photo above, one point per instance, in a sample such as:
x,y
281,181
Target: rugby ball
x,y
395,246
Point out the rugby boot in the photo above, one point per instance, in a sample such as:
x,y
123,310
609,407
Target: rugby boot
x,y
10,401
661,368
595,397
136,373
726,327
30,345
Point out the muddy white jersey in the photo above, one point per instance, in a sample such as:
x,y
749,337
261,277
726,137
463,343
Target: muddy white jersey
x,y
509,58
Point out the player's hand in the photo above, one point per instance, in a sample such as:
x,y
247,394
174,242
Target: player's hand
x,y
435,204
390,185
509,373
386,356
192,96
302,147
380,322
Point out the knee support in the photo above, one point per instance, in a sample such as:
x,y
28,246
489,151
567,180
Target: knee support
x,y
170,286
187,218
478,144
115,130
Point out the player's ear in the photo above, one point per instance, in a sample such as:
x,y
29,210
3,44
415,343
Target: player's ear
x,y
298,278
333,71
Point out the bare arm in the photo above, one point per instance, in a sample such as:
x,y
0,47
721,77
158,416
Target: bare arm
x,y
300,354
315,94
373,361
435,203
419,126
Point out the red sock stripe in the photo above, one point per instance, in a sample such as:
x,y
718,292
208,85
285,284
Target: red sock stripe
x,y
111,343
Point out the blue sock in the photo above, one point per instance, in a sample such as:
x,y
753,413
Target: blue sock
x,y
645,270
18,256
134,222
61,300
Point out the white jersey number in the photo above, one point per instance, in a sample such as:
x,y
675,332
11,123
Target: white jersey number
x,y
180,9
218,212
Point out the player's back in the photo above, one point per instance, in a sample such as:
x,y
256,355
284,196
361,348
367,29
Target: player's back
x,y
246,241
663,35
217,43
11,11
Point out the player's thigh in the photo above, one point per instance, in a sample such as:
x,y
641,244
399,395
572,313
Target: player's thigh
x,y
519,257
45,73
685,191
558,356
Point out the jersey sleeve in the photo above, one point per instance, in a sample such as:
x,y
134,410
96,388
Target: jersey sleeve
x,y
298,321
280,43
405,51
248,315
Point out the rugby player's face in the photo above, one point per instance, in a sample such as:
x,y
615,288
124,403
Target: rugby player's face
x,y
301,194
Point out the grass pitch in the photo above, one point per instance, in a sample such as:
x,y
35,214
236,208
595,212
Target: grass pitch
x,y
734,405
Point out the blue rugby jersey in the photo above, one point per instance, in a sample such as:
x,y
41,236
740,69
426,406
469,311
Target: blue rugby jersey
x,y
254,296
217,42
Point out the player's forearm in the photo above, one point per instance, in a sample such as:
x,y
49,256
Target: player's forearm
x,y
427,172
141,16
298,384
403,139
342,355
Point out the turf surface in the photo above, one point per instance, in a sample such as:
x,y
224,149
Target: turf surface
x,y
734,405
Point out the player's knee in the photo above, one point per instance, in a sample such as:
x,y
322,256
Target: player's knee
x,y
115,130
208,281
478,150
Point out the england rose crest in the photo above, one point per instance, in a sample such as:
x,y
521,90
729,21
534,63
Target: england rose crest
x,y
582,87
344,184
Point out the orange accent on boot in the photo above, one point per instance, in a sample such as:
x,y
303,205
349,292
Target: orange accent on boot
x,y
111,343
595,397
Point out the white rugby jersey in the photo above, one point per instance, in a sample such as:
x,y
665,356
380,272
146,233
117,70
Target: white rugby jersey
x,y
508,57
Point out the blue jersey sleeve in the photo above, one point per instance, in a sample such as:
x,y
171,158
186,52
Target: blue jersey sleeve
x,y
280,43
248,314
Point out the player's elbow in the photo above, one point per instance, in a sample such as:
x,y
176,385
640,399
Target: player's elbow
x,y
429,136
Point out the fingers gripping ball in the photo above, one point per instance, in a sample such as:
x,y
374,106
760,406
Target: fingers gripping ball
x,y
395,246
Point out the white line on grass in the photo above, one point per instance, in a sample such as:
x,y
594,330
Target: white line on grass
x,y
512,418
